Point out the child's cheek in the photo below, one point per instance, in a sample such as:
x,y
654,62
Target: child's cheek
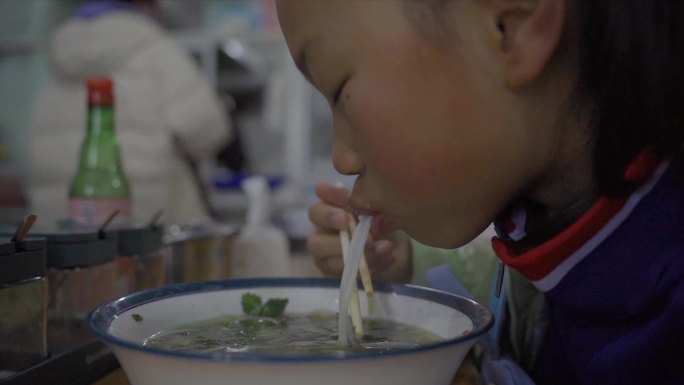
x,y
392,139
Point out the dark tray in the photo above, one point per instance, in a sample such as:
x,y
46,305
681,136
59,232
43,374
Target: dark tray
x,y
81,365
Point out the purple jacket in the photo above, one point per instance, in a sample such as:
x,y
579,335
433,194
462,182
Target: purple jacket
x,y
614,285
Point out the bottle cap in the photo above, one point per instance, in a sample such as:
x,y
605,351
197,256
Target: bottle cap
x,y
6,246
21,260
66,250
100,91
140,240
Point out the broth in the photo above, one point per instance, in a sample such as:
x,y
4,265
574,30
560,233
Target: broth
x,y
291,334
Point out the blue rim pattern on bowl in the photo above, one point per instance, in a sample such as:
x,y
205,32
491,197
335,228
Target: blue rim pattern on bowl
x,y
100,318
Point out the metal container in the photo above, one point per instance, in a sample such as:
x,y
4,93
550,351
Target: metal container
x,y
23,304
142,262
81,276
199,252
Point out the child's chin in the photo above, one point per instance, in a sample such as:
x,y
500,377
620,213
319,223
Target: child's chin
x,y
439,239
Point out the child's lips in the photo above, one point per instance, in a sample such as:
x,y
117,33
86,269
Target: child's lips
x,y
380,223
361,208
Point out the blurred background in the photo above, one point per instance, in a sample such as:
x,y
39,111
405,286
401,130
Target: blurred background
x,y
221,141
207,101
280,127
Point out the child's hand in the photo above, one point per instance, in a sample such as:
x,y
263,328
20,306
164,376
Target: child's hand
x,y
388,259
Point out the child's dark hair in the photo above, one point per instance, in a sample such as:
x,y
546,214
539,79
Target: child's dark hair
x,y
631,69
630,57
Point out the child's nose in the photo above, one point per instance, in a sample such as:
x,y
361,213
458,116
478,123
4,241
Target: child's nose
x,y
345,160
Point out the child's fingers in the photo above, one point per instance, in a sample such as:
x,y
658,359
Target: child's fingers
x,y
330,267
379,255
383,247
333,195
326,250
324,246
327,217
390,259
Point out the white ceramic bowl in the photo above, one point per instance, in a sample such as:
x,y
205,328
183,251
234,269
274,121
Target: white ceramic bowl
x,y
457,320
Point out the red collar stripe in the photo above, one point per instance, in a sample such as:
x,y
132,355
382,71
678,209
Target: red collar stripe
x,y
539,262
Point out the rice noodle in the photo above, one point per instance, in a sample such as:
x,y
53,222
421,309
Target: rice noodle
x,y
351,269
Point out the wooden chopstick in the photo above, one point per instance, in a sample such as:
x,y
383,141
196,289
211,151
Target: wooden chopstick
x,y
24,228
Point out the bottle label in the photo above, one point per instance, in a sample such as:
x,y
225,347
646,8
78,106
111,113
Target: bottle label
x,y
94,212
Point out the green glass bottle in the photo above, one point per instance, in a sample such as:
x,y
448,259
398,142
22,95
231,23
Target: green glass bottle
x,y
100,186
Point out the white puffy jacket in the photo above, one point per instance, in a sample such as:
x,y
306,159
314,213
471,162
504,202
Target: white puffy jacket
x,y
161,97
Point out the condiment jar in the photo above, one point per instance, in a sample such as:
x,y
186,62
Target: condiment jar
x,y
199,252
23,304
142,262
81,276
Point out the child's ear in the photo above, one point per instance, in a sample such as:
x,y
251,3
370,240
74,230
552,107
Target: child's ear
x,y
529,32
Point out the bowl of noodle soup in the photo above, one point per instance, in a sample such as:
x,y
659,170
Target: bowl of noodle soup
x,y
414,335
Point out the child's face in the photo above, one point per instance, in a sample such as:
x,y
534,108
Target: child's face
x,y
438,140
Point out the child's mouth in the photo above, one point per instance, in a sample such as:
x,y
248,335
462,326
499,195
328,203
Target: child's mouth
x,y
380,223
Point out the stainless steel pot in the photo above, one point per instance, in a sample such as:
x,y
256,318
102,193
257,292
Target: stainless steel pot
x,y
199,252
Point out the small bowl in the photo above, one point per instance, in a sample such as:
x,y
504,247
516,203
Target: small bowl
x,y
457,320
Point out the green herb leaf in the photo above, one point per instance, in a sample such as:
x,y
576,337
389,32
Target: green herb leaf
x,y
274,307
251,303
137,317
